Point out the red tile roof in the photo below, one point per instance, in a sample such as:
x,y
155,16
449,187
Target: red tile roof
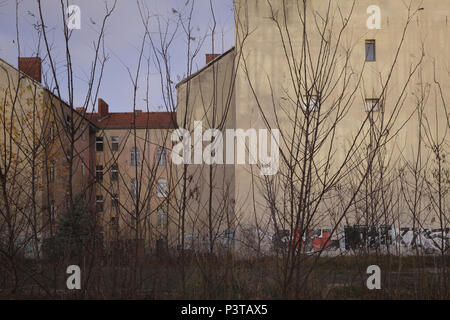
x,y
126,120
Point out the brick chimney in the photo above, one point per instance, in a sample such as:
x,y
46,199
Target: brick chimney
x,y
103,108
32,67
210,57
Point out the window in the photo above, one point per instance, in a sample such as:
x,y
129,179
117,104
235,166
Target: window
x,y
83,129
134,188
161,219
99,144
115,201
370,50
52,172
312,102
52,132
52,210
99,203
135,157
114,143
99,173
114,172
161,188
372,105
317,233
161,157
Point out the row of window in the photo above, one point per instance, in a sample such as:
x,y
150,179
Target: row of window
x,y
114,172
99,144
114,168
314,104
161,220
135,153
371,104
313,101
161,192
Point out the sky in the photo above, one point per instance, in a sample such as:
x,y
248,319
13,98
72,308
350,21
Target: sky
x,y
122,43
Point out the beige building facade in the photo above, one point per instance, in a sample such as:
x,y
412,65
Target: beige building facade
x,y
361,109
116,164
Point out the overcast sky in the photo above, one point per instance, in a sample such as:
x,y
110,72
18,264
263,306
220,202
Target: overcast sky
x,y
123,40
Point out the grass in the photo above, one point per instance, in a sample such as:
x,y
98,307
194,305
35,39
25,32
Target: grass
x,y
341,277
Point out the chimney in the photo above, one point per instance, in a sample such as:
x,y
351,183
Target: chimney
x,y
103,109
32,67
210,57
81,110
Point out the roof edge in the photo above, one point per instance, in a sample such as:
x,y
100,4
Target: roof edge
x,y
205,67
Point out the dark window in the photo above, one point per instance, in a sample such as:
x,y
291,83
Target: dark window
x,y
115,201
114,143
52,210
99,173
99,144
114,172
370,50
99,203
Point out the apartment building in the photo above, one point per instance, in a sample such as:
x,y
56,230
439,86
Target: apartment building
x,y
356,74
117,164
43,158
134,175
